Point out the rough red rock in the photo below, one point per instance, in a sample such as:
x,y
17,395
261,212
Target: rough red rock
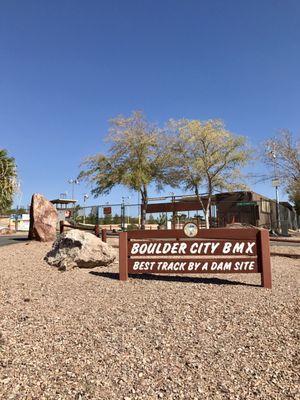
x,y
43,219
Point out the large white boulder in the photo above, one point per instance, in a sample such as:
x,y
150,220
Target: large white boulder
x,y
81,249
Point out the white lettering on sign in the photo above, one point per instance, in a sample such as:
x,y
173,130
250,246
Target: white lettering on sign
x,y
171,266
238,248
204,247
143,265
195,248
244,266
249,249
158,248
193,266
221,266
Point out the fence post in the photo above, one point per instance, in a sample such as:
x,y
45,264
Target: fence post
x,y
264,258
103,235
61,227
96,230
123,256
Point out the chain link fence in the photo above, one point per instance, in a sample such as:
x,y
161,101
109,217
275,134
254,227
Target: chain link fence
x,y
115,217
122,216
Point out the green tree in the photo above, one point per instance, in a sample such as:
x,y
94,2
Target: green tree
x,y
134,220
162,220
134,159
294,196
107,219
8,176
19,211
116,219
205,155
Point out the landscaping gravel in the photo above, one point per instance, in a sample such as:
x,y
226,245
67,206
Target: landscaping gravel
x,y
295,250
83,334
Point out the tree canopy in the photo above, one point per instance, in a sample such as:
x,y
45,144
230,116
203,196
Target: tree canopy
x,y
282,155
134,158
8,177
192,154
205,155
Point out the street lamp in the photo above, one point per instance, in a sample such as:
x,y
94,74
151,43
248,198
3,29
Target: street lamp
x,y
63,195
73,182
123,212
174,212
275,183
85,197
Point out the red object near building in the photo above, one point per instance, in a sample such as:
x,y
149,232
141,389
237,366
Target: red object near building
x,y
107,210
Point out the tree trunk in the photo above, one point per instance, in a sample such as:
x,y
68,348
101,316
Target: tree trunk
x,y
206,212
144,202
201,203
207,209
143,216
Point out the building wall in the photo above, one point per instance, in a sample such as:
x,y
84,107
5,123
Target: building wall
x,y
229,209
5,221
262,214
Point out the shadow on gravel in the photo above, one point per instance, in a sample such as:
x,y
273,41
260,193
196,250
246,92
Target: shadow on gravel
x,y
173,278
22,239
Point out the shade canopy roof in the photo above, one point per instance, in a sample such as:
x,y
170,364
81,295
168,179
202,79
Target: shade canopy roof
x,y
63,201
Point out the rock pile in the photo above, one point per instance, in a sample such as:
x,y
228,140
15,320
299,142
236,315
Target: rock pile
x,y
81,249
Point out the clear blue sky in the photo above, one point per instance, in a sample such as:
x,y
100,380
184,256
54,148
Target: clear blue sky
x,y
66,67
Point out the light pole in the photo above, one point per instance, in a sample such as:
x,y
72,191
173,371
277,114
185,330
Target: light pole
x,y
174,212
73,182
85,197
275,183
123,212
63,195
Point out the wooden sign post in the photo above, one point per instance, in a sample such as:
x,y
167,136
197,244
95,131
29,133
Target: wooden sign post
x,y
209,251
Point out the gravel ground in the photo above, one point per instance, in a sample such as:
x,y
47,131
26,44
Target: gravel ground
x,y
295,250
85,335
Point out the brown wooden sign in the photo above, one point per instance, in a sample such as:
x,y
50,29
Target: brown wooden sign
x,y
210,251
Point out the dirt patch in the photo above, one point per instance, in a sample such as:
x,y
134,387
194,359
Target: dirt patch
x,y
85,335
289,250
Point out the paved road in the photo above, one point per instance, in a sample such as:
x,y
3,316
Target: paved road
x,y
12,239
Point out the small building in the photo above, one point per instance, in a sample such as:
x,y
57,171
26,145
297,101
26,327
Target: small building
x,y
254,209
6,224
14,223
64,207
245,207
22,222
